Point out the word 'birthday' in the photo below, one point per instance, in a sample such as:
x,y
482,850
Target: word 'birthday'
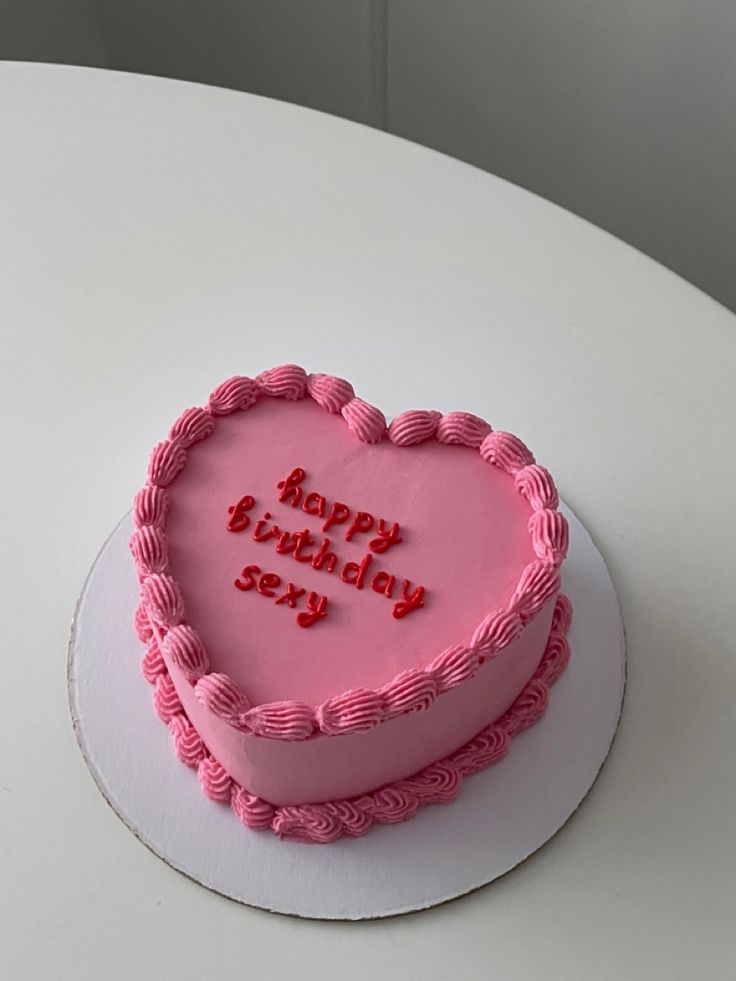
x,y
317,552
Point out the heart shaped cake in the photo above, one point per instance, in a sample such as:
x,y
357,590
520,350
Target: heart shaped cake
x,y
343,619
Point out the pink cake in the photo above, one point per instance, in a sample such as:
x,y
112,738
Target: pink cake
x,y
344,619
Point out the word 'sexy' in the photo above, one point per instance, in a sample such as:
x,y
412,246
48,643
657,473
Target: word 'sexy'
x,y
267,583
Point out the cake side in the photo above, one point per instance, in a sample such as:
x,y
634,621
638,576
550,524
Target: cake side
x,y
330,767
321,823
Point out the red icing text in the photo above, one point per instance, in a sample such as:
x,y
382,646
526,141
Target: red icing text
x,y
319,552
271,585
337,513
239,519
303,547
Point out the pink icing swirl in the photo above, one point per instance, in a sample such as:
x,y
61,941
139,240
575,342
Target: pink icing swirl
x,y
550,535
150,507
410,691
142,624
163,600
356,710
287,381
308,822
166,461
436,784
454,666
527,709
330,392
188,745
236,393
152,664
192,425
554,661
184,648
364,421
214,780
280,720
562,615
496,631
506,451
413,427
462,428
149,549
538,583
252,811
390,805
165,700
354,822
488,747
536,485
220,695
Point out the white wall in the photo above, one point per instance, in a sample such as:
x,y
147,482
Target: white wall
x,y
67,32
319,53
623,112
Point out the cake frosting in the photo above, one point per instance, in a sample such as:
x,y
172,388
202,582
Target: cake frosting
x,y
344,618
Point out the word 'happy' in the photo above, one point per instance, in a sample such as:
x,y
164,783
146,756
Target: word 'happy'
x,y
362,521
304,547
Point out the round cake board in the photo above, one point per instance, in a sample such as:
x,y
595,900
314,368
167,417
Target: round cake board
x,y
501,816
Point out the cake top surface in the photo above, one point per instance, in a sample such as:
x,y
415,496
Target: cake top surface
x,y
464,543
311,568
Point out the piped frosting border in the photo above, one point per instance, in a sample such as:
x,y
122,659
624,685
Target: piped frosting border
x,y
162,611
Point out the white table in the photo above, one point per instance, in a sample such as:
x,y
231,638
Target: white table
x,y
155,237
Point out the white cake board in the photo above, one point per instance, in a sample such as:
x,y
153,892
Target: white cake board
x,y
502,815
